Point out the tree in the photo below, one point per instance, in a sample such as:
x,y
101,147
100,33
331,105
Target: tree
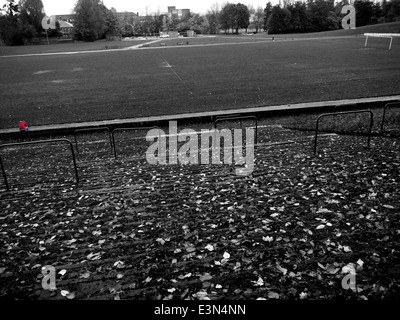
x,y
242,17
10,9
322,15
279,20
32,13
267,13
213,17
157,23
227,16
391,10
149,25
111,25
90,20
258,19
10,27
199,23
234,16
213,22
165,23
300,21
377,14
364,12
128,25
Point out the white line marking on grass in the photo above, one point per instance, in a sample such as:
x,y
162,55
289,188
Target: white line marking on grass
x,y
166,64
43,71
140,45
77,69
59,81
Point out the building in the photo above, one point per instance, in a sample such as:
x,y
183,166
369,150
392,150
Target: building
x,y
178,13
128,16
67,29
66,17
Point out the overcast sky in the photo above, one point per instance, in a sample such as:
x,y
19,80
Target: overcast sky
x,y
54,7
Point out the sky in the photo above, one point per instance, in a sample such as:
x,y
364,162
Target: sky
x,y
54,7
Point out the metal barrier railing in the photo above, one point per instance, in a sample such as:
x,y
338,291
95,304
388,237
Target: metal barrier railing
x,y
392,104
92,130
342,113
241,118
37,142
228,116
126,129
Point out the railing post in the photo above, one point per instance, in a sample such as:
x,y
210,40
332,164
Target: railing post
x,y
39,142
394,104
342,113
4,174
371,123
74,160
113,142
316,134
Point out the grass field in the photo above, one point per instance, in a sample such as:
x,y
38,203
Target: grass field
x,y
211,73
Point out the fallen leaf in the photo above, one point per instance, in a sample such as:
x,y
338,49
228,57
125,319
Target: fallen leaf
x,y
205,277
321,265
259,282
62,272
71,296
268,239
283,270
303,295
273,295
201,295
64,293
346,249
388,206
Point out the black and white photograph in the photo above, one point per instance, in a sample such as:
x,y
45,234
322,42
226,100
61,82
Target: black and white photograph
x,y
200,159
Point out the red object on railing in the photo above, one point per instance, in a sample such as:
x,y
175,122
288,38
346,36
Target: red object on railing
x,y
23,126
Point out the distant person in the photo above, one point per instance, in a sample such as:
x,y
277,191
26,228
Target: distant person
x,y
23,126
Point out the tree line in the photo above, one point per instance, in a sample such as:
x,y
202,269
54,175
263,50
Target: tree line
x,y
21,21
93,20
325,15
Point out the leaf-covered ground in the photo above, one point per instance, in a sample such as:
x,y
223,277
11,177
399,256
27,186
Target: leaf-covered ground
x,y
130,230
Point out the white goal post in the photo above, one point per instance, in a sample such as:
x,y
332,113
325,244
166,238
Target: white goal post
x,y
381,35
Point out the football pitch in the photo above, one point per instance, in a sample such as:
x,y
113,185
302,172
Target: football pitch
x,y
209,74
